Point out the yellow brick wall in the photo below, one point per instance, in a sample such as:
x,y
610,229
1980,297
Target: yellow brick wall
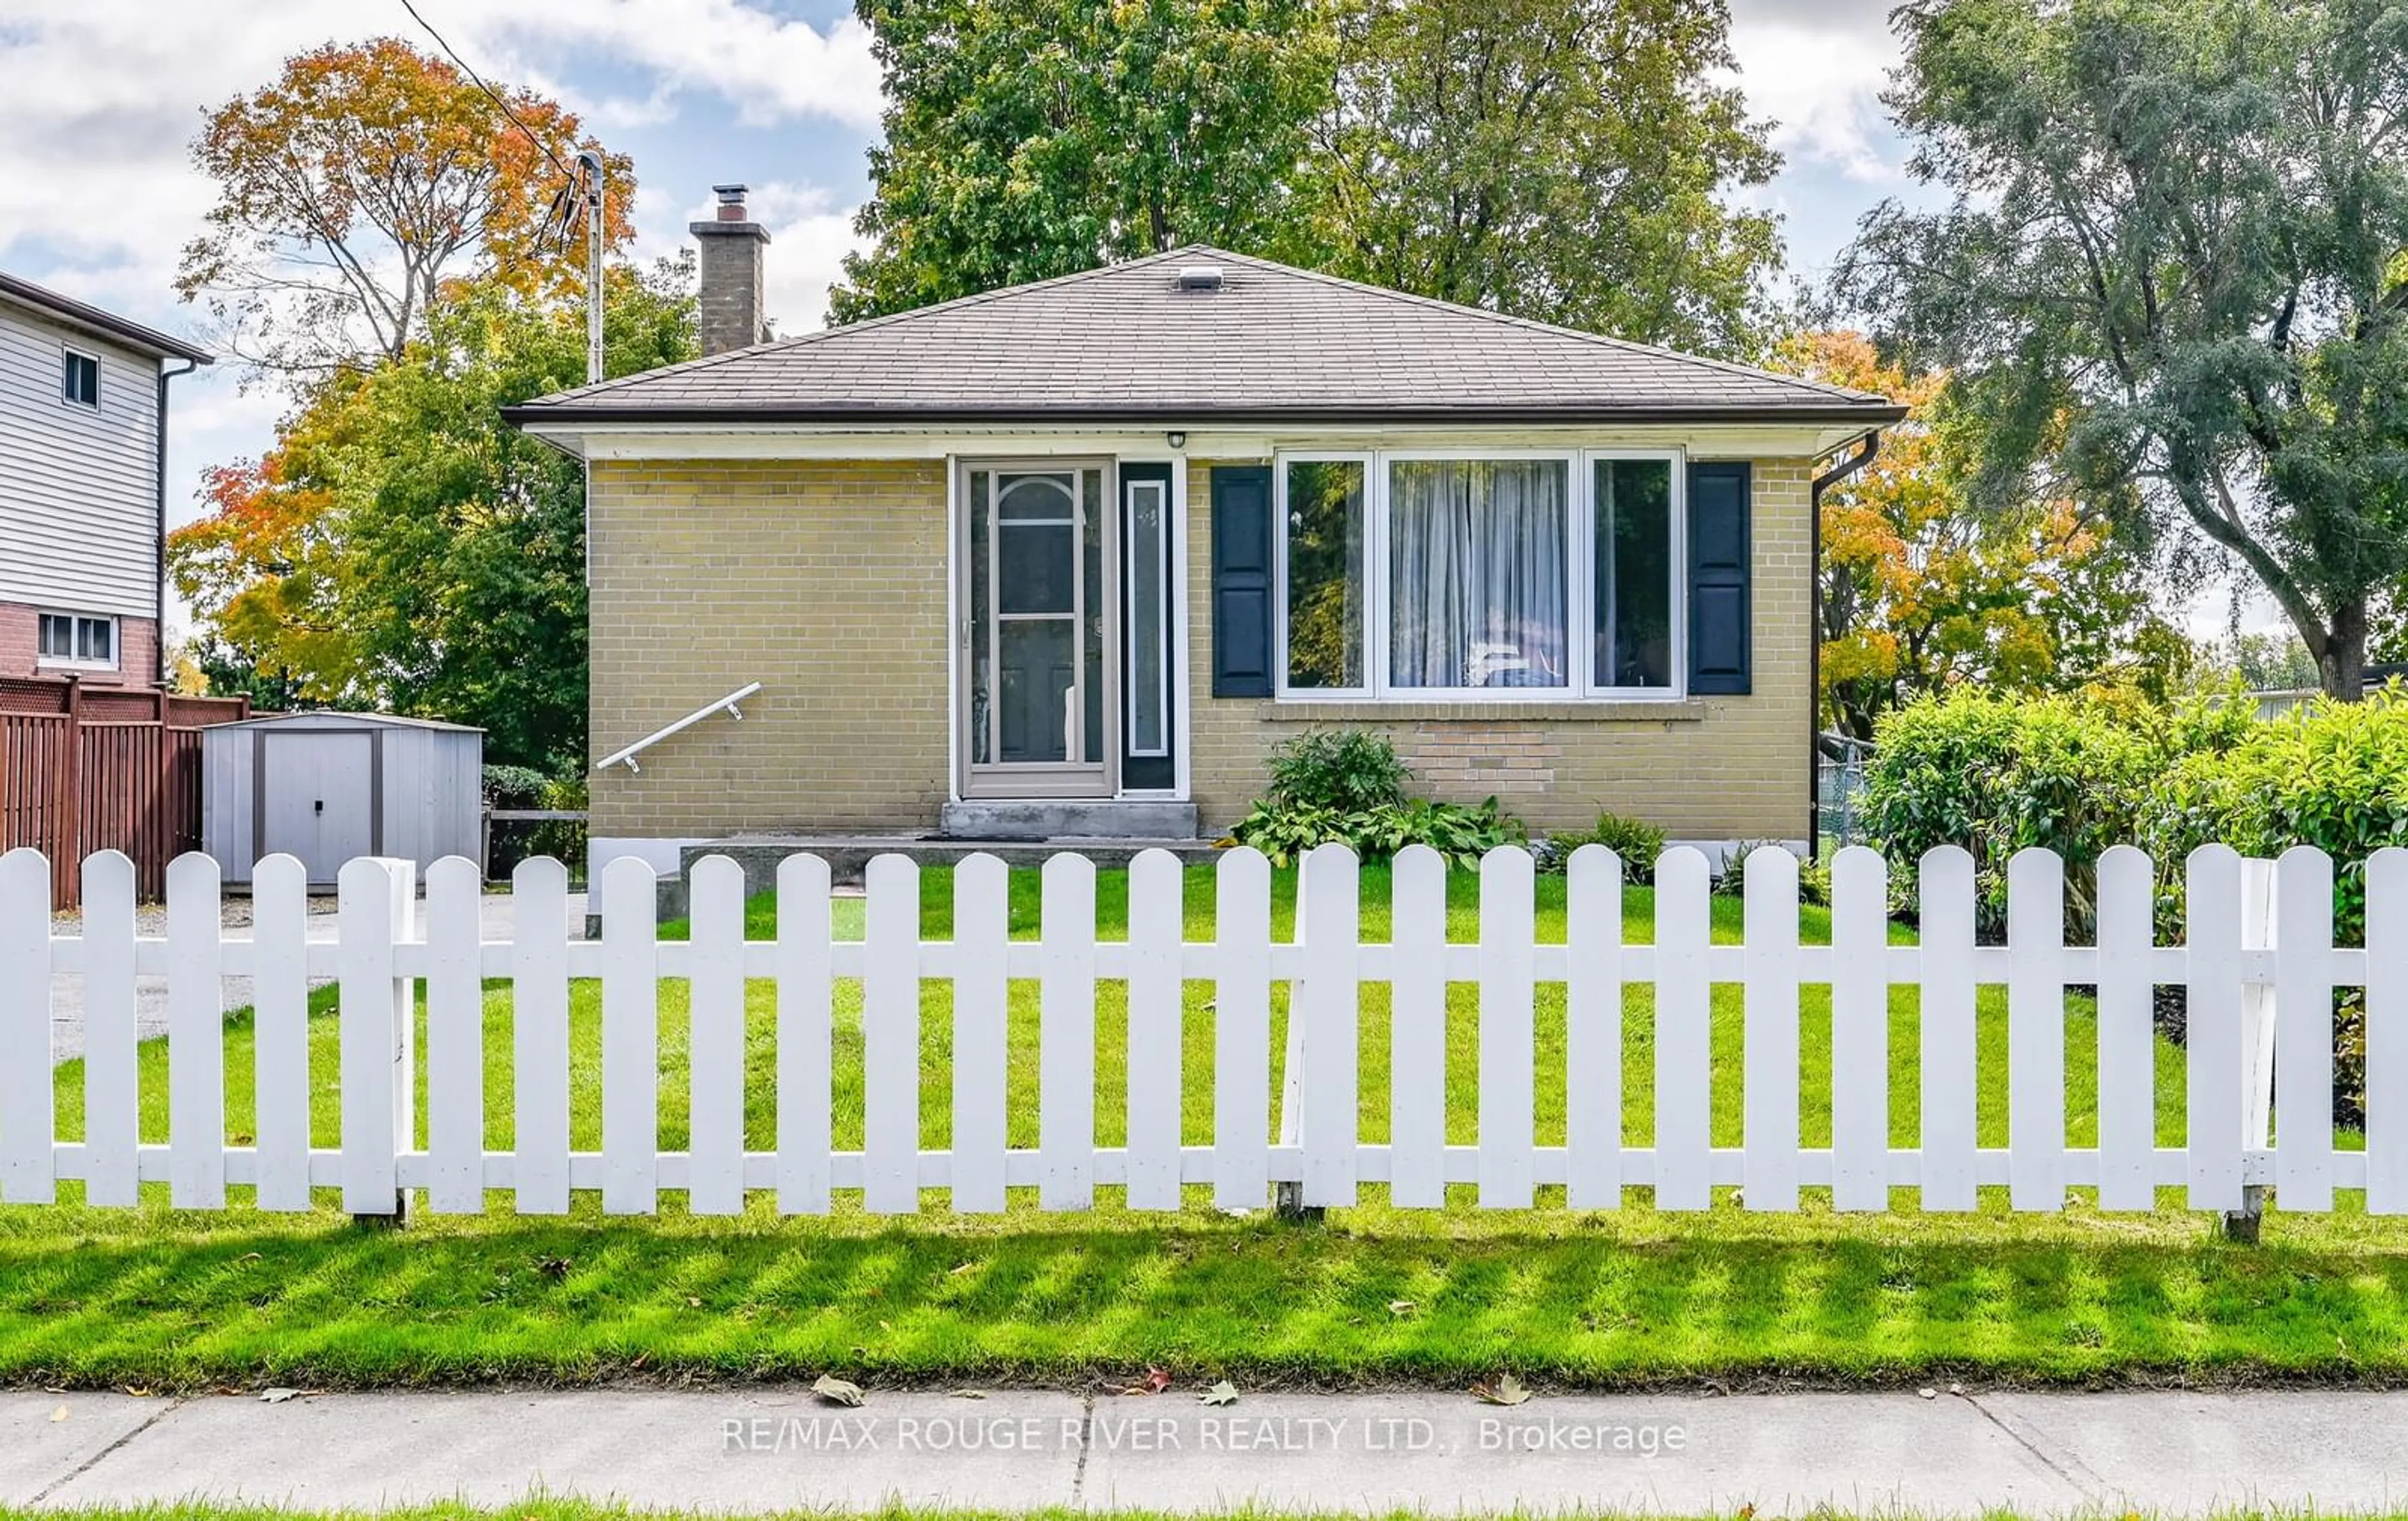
x,y
1724,769
826,582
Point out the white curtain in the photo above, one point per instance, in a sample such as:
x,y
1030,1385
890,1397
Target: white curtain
x,y
1476,573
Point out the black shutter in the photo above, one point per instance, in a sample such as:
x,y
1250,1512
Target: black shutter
x,y
1241,580
1719,627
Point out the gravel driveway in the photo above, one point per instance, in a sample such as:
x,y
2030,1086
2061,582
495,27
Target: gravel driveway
x,y
151,993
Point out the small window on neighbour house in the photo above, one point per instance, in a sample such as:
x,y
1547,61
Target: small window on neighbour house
x,y
81,383
67,639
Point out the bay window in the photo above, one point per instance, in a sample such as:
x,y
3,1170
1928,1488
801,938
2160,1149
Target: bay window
x,y
1504,574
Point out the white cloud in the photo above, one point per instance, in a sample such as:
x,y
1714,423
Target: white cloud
x,y
1817,71
100,98
771,68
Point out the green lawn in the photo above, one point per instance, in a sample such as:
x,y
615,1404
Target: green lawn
x,y
1370,1294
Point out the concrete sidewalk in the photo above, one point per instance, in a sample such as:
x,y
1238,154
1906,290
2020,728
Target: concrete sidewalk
x,y
755,1450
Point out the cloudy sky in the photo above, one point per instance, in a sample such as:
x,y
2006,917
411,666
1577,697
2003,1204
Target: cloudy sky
x,y
99,99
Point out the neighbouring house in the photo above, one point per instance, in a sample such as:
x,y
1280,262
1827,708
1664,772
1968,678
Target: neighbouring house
x,y
84,504
1069,559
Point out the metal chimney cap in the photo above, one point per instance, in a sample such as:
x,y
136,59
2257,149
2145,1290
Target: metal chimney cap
x,y
729,195
1200,277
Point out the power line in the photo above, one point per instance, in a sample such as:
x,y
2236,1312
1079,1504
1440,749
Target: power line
x,y
563,203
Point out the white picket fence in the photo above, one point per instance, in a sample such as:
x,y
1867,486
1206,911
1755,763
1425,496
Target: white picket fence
x,y
2260,940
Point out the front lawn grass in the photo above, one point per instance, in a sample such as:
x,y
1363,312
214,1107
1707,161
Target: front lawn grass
x,y
1371,1295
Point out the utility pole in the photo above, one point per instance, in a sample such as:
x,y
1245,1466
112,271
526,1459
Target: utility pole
x,y
589,163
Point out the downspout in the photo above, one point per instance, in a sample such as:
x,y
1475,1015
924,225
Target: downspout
x,y
1866,447
159,590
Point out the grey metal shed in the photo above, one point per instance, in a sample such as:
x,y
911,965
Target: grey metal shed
x,y
327,787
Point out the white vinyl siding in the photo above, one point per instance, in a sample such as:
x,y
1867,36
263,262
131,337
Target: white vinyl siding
x,y
79,494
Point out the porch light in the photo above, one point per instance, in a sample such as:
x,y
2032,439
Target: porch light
x,y
1178,440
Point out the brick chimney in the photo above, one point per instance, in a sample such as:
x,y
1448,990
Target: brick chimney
x,y
730,268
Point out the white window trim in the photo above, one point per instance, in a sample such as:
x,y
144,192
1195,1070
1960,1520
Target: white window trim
x,y
67,352
1160,750
1580,589
1585,552
1374,601
51,662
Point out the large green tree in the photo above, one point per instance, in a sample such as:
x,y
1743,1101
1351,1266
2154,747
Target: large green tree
x,y
1027,139
1565,160
401,547
2175,248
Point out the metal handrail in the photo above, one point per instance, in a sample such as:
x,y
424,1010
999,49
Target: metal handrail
x,y
726,705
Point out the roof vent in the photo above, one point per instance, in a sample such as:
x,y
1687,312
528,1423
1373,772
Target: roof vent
x,y
1200,277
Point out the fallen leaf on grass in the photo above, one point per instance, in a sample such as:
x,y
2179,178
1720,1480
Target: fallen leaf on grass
x,y
1222,1393
1507,1390
1400,1307
1154,1382
836,1391
277,1397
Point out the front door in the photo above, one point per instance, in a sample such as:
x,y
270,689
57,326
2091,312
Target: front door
x,y
1039,710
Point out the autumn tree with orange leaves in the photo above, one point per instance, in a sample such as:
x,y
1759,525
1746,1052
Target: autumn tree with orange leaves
x,y
1921,590
368,175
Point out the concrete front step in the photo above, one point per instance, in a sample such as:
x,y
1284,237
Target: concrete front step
x,y
1067,818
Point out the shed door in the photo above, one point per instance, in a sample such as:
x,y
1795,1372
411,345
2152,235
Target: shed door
x,y
317,799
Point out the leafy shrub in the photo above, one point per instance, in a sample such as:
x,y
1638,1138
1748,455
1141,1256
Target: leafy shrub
x,y
1460,832
1997,775
2333,775
1350,770
1348,786
1813,877
511,787
1636,840
2077,775
1285,832
514,786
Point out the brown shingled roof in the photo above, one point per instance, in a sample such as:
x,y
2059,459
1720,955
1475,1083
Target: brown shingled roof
x,y
1125,343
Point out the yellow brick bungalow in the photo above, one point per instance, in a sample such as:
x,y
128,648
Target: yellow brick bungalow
x,y
1069,559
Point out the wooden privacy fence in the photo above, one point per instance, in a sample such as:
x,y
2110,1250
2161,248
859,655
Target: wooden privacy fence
x,y
84,770
2252,1007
